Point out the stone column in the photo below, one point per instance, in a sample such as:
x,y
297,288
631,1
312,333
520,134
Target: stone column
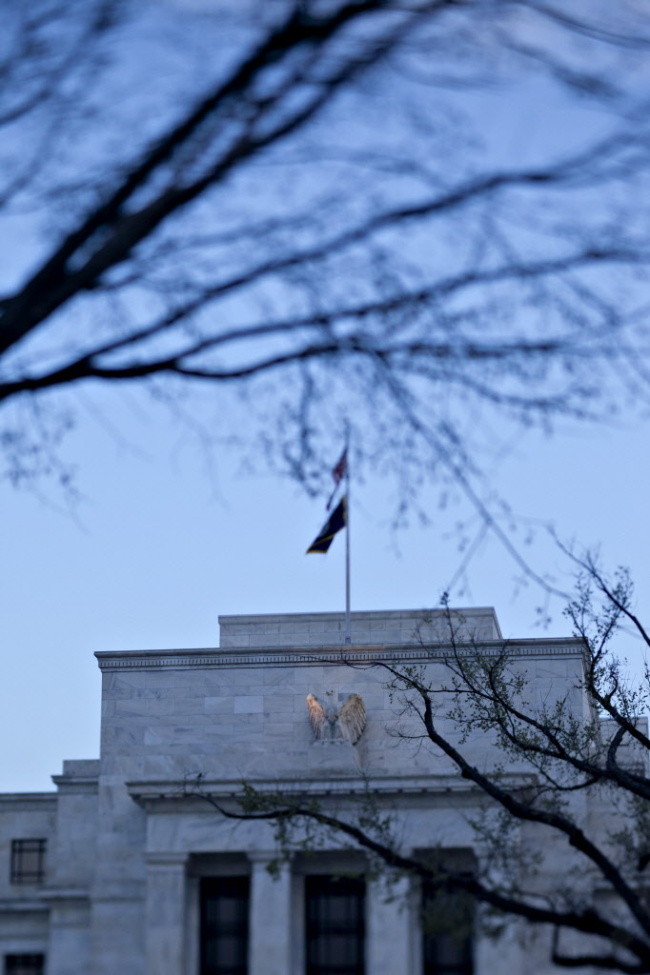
x,y
388,937
117,929
68,948
270,918
165,914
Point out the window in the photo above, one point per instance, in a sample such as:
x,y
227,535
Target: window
x,y
224,925
24,964
27,863
334,925
447,922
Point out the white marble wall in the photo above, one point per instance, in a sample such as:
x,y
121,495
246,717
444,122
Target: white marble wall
x,y
381,628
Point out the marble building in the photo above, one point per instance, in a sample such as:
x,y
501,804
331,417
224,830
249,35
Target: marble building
x,y
123,871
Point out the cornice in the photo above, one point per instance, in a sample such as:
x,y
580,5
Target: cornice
x,y
81,785
308,656
153,794
29,801
77,897
20,905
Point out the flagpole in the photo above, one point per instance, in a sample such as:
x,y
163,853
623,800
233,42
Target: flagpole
x,y
348,633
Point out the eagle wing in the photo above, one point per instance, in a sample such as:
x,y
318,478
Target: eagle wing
x,y
352,718
316,716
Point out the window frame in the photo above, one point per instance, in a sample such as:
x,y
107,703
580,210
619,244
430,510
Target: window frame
x,y
24,963
233,887
353,930
433,946
23,849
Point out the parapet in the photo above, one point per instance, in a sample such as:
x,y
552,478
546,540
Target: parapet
x,y
374,628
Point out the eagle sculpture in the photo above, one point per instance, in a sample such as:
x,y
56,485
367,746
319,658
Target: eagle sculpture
x,y
343,723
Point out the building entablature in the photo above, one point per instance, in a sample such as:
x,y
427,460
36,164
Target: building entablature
x,y
437,791
307,656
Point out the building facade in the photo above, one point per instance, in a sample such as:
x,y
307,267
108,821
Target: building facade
x,y
127,869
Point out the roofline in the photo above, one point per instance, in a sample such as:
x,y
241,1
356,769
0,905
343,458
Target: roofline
x,y
327,654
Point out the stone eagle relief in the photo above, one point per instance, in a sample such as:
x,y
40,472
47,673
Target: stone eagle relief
x,y
343,723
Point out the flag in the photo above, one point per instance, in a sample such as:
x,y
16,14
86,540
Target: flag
x,y
336,521
339,471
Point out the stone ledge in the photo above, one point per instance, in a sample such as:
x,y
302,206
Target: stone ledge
x,y
308,656
154,793
28,800
31,906
78,896
76,786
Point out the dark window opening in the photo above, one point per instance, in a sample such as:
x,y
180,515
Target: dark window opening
x,y
224,925
27,862
24,965
447,926
335,925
